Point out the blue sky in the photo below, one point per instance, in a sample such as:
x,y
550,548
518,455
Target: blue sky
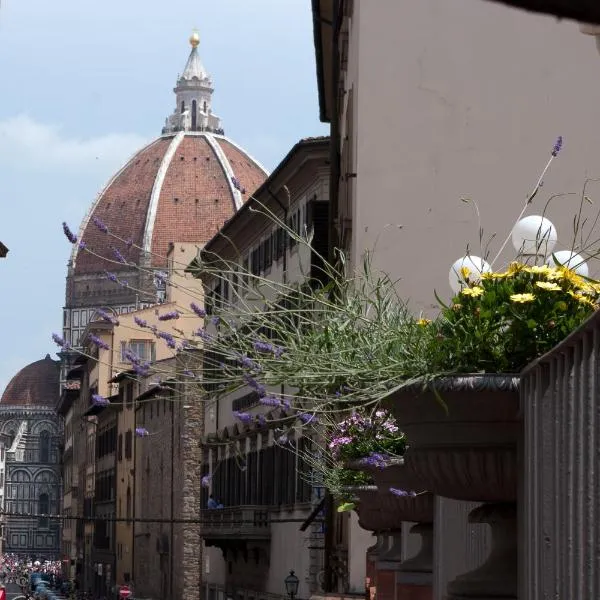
x,y
84,84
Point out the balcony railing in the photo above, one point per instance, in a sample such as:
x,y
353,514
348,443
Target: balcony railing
x,y
560,501
241,522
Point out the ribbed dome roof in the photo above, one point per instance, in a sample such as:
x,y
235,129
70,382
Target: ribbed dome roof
x,y
180,188
36,384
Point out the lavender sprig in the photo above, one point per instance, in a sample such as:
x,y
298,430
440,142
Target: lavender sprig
x,y
69,234
100,224
98,342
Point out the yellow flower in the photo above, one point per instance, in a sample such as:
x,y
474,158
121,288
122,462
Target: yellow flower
x,y
571,276
537,269
581,298
522,298
515,267
422,321
474,291
549,286
465,272
488,275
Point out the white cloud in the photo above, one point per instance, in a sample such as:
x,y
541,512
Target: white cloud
x,y
31,145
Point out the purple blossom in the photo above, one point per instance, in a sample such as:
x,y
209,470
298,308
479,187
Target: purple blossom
x,y
111,277
82,245
98,400
129,243
255,385
143,370
236,184
268,348
168,316
140,322
205,481
59,341
375,459
100,225
98,342
215,321
141,432
283,439
119,256
131,356
307,418
169,339
402,493
188,373
557,146
69,234
198,310
244,417
248,363
260,419
340,441
270,401
106,316
203,334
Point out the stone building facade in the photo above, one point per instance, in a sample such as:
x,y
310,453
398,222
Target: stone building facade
x,y
31,432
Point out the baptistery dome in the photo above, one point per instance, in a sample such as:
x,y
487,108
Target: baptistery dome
x,y
181,187
34,385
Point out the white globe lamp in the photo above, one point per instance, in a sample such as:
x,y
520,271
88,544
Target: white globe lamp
x,y
476,267
534,236
573,261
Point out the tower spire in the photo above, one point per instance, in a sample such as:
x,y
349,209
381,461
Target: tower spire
x,y
193,93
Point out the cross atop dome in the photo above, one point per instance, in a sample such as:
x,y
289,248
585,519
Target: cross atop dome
x,y
193,92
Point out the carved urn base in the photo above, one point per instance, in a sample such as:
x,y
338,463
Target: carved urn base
x,y
462,433
496,579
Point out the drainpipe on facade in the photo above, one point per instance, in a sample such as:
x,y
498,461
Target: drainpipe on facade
x,y
171,597
285,210
329,540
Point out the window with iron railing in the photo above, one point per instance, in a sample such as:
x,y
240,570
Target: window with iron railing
x,y
272,476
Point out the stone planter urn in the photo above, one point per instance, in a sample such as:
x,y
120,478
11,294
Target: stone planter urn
x,y
462,433
411,578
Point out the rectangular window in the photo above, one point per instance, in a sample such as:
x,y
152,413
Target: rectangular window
x,y
245,270
128,444
145,350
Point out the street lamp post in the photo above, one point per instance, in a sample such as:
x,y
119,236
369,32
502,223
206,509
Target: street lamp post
x,y
291,585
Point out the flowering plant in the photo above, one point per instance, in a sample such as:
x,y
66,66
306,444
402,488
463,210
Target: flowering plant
x,y
367,438
501,321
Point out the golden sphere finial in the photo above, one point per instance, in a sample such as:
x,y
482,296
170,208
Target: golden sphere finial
x,y
195,39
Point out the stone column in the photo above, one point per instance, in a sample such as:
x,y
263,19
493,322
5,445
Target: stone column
x,y
414,579
459,546
380,546
388,564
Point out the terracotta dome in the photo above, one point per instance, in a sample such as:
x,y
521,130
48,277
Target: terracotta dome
x,y
36,384
180,188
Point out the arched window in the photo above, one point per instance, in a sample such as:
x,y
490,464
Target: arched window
x,y
128,505
43,509
182,106
11,438
44,447
205,106
194,115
